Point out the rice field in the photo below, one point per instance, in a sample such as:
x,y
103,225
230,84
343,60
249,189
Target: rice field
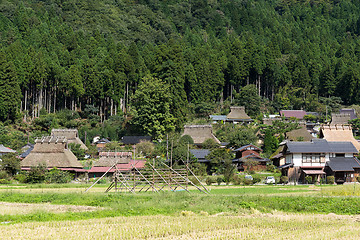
x,y
229,212
250,226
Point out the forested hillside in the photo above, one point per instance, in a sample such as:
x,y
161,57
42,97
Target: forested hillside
x,y
94,55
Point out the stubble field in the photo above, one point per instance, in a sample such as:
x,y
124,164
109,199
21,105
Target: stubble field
x,y
254,212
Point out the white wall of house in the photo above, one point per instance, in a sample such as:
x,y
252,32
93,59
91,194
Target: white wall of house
x,y
298,159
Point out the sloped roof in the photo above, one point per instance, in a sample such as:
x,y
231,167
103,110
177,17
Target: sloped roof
x,y
237,113
108,159
218,117
246,147
52,152
122,167
343,164
4,149
340,118
199,133
339,133
71,135
27,152
321,146
200,154
302,132
299,114
134,139
350,111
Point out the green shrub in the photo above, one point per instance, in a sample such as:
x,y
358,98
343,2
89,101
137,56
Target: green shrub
x,y
4,175
219,180
330,179
4,181
256,179
236,179
102,181
284,179
194,180
209,180
21,177
56,175
271,168
248,181
309,179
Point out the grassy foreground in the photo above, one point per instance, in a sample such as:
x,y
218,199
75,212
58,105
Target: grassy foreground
x,y
270,212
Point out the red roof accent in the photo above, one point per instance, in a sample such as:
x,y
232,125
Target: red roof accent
x,y
121,166
63,169
299,114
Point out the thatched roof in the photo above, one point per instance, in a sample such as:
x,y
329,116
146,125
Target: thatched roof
x,y
108,159
342,133
297,134
237,113
51,151
71,135
340,118
199,133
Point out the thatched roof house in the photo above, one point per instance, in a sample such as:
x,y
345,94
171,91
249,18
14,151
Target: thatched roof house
x,y
199,133
301,134
71,135
238,114
340,118
108,159
336,133
122,160
52,152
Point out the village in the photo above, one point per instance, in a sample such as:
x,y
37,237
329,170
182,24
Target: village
x,y
311,153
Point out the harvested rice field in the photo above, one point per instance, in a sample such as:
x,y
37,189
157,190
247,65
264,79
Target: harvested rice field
x,y
254,212
251,226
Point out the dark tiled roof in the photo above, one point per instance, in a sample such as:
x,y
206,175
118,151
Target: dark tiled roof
x,y
27,152
200,154
247,146
321,146
134,139
343,164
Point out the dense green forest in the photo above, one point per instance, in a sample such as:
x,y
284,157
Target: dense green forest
x,y
99,57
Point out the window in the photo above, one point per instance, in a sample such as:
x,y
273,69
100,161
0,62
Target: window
x,y
313,158
339,154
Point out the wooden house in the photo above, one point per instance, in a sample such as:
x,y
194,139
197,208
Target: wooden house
x,y
319,158
199,133
52,152
249,152
339,132
238,115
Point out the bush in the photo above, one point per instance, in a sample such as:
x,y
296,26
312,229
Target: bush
x,y
4,175
219,180
209,180
21,177
256,179
330,179
284,179
4,181
194,180
309,179
271,168
56,175
248,181
237,180
358,178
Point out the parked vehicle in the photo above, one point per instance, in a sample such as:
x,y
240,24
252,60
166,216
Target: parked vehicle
x,y
249,177
270,180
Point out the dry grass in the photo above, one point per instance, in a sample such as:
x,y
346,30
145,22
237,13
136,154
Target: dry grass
x,y
28,208
253,226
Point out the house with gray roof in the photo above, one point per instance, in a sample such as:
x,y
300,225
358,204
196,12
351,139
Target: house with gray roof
x,y
320,158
